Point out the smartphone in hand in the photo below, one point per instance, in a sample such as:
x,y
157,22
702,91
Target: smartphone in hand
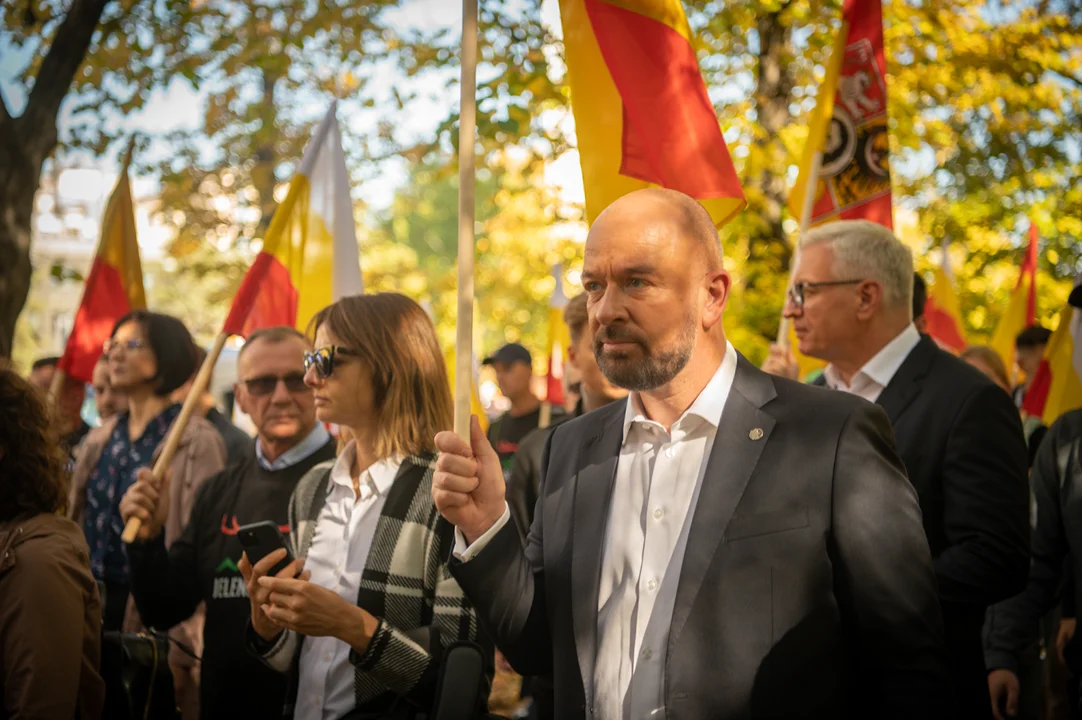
x,y
260,540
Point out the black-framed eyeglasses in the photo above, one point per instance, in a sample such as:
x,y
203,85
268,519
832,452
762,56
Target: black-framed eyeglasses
x,y
797,291
266,384
129,345
323,359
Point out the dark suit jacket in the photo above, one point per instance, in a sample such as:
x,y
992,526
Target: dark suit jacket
x,y
806,588
961,439
1057,548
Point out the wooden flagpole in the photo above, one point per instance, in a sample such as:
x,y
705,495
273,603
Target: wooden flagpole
x,y
172,442
466,150
805,220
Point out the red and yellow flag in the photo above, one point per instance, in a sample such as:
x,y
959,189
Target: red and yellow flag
x,y
559,340
114,286
943,312
1057,386
642,114
310,256
848,128
1021,311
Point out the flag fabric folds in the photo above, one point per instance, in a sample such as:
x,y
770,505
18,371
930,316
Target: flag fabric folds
x,y
642,114
848,127
1057,385
309,257
1021,311
114,286
943,312
559,340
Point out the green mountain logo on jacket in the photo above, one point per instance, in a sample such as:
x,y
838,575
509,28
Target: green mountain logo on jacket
x,y
232,585
226,564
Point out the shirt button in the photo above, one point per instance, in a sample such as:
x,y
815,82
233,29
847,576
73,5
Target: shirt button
x,y
652,585
326,657
659,513
647,653
669,452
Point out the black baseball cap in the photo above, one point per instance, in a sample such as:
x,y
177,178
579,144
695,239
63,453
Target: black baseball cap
x,y
1075,298
510,353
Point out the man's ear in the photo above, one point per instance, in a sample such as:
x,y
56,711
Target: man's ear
x,y
870,299
573,356
718,284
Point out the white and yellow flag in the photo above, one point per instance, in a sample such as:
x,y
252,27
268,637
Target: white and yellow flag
x,y
310,256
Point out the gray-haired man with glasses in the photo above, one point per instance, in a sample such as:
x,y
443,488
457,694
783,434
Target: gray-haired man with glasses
x,y
959,435
201,566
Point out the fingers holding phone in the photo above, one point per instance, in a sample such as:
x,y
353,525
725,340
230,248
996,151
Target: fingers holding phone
x,y
258,596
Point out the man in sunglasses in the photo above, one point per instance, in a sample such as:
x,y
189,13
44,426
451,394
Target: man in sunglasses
x,y
201,565
958,433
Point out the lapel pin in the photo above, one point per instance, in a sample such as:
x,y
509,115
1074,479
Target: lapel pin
x,y
756,434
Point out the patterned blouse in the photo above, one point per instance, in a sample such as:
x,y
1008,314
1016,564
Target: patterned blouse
x,y
110,479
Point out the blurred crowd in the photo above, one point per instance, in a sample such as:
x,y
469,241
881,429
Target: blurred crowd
x,y
352,614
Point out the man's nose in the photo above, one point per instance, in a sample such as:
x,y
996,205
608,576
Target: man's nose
x,y
281,393
791,309
610,306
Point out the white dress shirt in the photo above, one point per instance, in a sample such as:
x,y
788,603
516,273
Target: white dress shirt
x,y
873,378
658,478
344,532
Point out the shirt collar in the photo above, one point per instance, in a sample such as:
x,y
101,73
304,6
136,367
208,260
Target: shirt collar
x,y
884,365
301,451
380,475
708,405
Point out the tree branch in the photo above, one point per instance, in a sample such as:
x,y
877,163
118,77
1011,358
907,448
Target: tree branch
x,y
54,78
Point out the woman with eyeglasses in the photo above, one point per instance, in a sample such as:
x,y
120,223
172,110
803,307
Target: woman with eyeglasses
x,y
362,629
150,356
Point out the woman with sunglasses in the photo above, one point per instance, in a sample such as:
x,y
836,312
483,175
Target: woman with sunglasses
x,y
150,356
361,631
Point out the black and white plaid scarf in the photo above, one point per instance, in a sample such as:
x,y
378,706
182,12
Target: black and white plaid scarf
x,y
405,583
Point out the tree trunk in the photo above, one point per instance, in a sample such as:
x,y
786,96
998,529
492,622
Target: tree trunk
x,y
18,182
266,158
25,143
770,251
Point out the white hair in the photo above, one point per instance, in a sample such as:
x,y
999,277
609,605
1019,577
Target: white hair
x,y
864,250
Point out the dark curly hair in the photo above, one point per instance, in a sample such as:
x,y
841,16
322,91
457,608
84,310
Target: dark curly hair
x,y
33,479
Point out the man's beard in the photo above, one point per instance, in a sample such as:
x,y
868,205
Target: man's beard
x,y
654,369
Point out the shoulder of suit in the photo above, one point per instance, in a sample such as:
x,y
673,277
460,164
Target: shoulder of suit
x,y
952,382
1067,428
816,396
